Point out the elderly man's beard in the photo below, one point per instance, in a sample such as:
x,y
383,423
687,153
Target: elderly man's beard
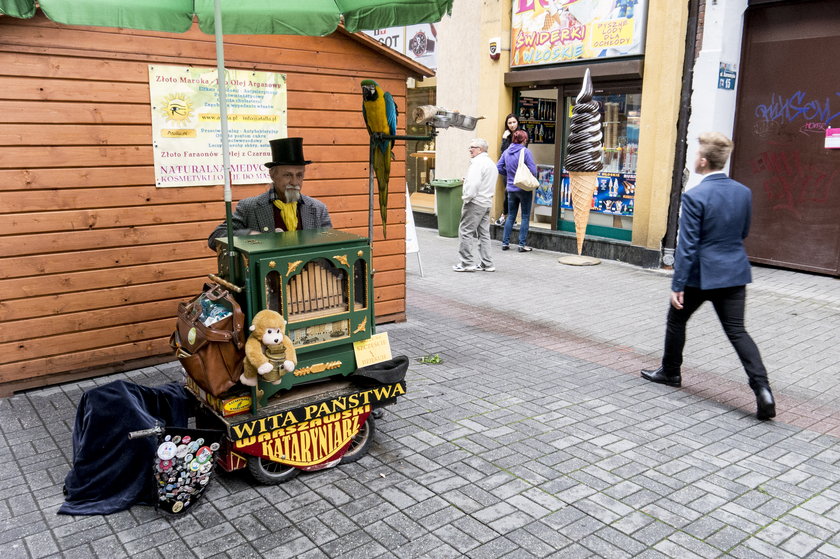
x,y
292,194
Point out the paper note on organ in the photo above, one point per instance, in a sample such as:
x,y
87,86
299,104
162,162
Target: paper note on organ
x,y
583,156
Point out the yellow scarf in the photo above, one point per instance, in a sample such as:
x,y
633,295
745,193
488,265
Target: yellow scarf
x,y
288,211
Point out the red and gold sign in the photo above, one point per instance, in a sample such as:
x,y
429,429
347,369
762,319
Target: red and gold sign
x,y
309,443
314,434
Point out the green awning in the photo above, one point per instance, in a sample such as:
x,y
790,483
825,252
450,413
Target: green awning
x,y
17,8
240,17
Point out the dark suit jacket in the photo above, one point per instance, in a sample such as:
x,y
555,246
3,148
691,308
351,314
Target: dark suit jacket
x,y
257,214
715,221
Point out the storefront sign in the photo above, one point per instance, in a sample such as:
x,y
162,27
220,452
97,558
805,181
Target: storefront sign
x,y
313,434
726,76
186,125
552,31
417,42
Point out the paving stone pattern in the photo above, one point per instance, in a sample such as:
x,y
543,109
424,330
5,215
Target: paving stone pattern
x,y
535,436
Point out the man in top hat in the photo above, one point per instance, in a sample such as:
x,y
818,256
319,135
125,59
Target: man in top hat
x,y
283,207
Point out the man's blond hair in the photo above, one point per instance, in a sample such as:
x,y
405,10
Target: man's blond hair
x,y
715,148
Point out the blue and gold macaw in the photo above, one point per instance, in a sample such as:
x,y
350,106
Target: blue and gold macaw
x,y
380,112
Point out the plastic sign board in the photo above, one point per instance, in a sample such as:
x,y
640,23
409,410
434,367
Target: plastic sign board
x,y
832,138
553,31
726,76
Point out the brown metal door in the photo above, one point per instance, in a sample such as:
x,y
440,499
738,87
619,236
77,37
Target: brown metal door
x,y
788,96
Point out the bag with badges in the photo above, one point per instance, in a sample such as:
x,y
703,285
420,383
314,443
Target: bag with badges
x,y
184,463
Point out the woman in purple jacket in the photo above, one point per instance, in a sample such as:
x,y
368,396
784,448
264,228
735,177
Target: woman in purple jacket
x,y
517,197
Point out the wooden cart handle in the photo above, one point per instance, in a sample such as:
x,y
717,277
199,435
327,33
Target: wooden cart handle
x,y
224,283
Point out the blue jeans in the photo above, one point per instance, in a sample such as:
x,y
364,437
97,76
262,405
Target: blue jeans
x,y
517,198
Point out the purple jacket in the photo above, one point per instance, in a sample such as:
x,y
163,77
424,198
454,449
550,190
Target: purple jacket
x,y
509,161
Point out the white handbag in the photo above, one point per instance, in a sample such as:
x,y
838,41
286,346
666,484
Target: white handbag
x,y
524,178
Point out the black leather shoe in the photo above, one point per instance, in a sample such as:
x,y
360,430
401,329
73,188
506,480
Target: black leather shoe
x,y
765,404
659,376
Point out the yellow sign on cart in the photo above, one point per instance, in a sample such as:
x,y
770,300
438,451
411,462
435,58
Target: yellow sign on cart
x,y
375,350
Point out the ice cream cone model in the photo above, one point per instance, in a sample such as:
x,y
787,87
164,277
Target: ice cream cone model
x,y
583,159
583,187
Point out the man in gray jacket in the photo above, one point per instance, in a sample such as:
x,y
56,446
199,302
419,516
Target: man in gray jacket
x,y
283,207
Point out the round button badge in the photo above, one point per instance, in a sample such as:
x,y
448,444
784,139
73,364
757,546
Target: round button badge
x,y
166,450
204,454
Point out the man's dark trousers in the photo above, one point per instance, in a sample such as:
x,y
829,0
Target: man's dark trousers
x,y
729,305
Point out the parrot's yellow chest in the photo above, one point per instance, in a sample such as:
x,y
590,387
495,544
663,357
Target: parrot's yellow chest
x,y
375,115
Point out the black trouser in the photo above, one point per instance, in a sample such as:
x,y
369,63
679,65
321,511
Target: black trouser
x,y
729,305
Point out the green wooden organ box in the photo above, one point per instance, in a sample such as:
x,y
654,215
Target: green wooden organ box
x,y
321,282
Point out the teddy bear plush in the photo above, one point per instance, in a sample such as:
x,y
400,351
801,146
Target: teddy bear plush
x,y
269,351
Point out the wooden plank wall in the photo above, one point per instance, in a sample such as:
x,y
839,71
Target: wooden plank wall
x,y
93,257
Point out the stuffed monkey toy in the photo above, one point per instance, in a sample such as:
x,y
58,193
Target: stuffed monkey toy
x,y
269,351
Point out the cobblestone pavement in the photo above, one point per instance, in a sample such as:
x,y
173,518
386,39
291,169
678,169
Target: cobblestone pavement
x,y
534,437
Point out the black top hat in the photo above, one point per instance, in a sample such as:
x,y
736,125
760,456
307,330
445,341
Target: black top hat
x,y
287,151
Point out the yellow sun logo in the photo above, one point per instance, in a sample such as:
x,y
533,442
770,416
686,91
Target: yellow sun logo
x,y
177,108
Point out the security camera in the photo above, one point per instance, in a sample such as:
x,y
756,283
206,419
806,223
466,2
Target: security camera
x,y
438,117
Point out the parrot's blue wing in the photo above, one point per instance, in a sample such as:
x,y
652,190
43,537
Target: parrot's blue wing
x,y
391,112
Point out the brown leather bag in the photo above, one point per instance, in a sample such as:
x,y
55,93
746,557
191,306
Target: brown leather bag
x,y
212,355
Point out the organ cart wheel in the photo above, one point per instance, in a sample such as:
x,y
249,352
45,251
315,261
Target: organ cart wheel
x,y
270,473
361,442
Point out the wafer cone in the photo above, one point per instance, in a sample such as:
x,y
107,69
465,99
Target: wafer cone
x,y
583,186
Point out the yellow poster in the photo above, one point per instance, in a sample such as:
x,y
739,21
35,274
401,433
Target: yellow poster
x,y
375,350
186,124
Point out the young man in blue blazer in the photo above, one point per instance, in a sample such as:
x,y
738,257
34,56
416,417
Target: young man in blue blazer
x,y
711,265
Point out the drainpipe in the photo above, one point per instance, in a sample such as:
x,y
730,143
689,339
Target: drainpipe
x,y
678,179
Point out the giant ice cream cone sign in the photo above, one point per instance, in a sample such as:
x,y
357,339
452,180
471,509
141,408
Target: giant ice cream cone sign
x,y
583,156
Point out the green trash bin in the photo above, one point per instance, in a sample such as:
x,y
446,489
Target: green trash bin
x,y
448,201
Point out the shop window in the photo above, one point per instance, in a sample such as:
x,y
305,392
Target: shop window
x,y
537,111
420,163
613,202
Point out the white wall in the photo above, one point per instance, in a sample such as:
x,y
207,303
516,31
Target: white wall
x,y
713,109
458,77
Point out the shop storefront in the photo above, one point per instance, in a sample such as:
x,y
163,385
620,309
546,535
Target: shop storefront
x,y
787,133
551,47
612,209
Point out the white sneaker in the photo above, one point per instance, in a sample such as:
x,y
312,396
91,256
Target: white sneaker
x,y
483,268
461,268
501,220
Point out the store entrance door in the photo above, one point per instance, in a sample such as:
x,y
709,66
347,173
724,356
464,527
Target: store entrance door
x,y
789,101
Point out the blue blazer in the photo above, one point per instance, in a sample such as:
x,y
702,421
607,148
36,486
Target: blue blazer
x,y
714,222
